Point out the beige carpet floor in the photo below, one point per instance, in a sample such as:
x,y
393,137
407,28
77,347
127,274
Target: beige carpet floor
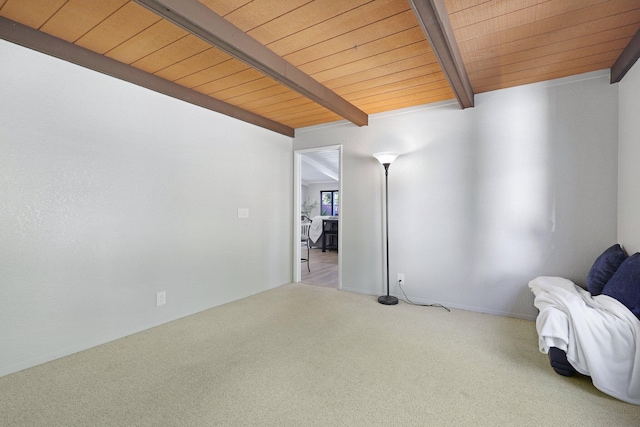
x,y
302,355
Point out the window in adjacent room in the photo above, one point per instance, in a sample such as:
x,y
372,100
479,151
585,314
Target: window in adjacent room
x,y
329,203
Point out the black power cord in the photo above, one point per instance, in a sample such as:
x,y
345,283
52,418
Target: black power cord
x,y
421,305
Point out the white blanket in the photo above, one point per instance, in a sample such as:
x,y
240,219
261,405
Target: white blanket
x,y
316,228
600,335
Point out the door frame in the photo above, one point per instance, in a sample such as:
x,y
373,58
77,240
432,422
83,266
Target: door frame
x,y
297,211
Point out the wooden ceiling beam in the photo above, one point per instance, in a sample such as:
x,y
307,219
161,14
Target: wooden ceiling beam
x,y
28,37
627,58
201,21
434,20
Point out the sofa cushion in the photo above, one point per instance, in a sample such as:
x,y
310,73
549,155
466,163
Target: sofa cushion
x,y
625,284
604,267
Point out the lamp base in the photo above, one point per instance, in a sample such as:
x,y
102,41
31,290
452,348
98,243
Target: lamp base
x,y
388,300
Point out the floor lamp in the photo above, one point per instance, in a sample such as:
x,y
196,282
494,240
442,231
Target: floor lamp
x,y
386,159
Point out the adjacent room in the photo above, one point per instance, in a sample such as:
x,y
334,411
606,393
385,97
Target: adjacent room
x,y
319,184
195,230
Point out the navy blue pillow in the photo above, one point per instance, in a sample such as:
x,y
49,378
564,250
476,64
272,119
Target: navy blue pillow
x,y
604,268
625,284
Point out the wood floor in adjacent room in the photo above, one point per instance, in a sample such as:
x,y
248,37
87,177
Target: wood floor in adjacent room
x,y
324,268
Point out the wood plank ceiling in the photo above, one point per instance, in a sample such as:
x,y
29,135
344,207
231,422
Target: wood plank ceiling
x,y
373,54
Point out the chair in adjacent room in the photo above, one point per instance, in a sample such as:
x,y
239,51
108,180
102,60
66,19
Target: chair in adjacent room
x,y
305,242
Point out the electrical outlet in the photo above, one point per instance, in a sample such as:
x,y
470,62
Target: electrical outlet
x,y
161,298
401,278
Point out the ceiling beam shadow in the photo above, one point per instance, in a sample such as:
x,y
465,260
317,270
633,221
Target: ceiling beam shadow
x,y
201,21
627,58
432,17
42,42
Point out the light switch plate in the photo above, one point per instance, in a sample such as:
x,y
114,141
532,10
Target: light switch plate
x,y
161,298
243,213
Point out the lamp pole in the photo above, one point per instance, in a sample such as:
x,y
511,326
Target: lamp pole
x,y
385,159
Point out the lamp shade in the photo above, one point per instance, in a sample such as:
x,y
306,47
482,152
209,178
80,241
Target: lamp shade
x,y
386,157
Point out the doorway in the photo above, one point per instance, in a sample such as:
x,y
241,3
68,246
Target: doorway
x,y
316,172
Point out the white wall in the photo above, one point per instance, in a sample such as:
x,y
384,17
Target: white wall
x,y
110,193
628,161
482,200
304,194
